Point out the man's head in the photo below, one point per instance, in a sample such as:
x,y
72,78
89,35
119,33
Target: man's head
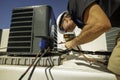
x,y
65,22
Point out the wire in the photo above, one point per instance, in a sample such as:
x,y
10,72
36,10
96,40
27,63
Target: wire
x,y
49,68
46,69
30,66
82,53
46,73
52,63
91,59
86,58
51,73
29,78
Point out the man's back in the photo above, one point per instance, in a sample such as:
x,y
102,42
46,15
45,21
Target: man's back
x,y
115,18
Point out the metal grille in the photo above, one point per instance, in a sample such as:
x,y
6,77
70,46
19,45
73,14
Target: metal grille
x,y
111,37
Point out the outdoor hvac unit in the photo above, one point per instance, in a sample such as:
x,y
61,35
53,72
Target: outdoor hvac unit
x,y
27,23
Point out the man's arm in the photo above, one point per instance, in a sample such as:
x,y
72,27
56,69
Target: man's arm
x,y
96,24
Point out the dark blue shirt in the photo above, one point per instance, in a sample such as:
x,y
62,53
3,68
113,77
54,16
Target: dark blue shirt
x,y
76,9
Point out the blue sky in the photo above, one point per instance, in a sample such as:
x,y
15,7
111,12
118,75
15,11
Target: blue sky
x,y
6,7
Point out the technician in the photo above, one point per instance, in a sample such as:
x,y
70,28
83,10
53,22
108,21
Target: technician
x,y
94,17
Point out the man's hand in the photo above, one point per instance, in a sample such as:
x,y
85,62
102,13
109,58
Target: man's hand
x,y
70,44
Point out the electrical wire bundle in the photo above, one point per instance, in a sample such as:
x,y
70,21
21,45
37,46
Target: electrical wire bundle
x,y
34,64
82,53
29,66
45,48
49,69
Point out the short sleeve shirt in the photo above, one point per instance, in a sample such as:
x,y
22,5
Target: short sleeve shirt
x,y
76,8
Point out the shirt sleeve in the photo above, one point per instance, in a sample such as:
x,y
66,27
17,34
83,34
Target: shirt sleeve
x,y
77,7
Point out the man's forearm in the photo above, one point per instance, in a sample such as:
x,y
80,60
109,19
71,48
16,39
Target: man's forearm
x,y
88,34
